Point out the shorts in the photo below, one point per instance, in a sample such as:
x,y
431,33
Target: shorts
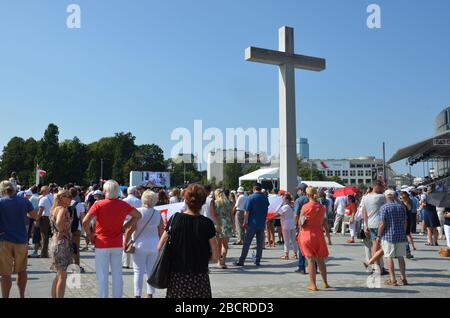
x,y
373,233
277,222
393,250
13,258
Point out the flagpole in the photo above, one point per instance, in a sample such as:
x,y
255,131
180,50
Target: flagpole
x,y
37,175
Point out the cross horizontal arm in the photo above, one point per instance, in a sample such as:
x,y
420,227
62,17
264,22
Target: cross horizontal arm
x,y
309,63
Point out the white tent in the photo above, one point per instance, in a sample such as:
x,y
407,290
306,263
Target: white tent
x,y
261,174
323,184
273,174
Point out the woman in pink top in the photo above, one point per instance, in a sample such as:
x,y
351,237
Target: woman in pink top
x,y
311,239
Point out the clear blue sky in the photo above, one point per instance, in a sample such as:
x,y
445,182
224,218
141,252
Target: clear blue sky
x,y
151,66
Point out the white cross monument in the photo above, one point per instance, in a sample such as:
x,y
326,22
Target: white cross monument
x,y
287,61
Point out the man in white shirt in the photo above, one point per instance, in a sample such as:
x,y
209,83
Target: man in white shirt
x,y
133,200
45,204
339,209
239,210
371,205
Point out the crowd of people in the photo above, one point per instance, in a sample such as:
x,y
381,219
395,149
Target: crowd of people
x,y
125,231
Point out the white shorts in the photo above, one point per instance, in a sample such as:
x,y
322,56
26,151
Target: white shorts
x,y
394,250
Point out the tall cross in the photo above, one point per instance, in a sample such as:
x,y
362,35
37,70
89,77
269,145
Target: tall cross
x,y
287,61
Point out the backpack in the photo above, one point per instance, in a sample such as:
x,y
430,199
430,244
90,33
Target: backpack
x,y
74,216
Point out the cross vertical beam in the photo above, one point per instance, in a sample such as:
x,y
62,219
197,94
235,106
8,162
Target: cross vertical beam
x,y
287,116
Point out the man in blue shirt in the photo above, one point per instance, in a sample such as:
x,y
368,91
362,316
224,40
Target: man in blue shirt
x,y
256,209
14,211
302,200
392,234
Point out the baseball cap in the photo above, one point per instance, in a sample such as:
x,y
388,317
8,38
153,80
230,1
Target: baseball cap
x,y
28,193
302,186
240,190
389,193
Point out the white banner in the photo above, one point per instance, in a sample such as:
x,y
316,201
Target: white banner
x,y
170,209
167,210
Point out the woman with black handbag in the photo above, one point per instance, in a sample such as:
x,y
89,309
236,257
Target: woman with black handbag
x,y
189,243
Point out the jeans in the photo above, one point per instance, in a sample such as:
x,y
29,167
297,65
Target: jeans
x,y
251,232
301,259
44,225
104,257
76,236
143,264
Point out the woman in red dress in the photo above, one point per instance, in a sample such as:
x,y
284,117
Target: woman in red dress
x,y
311,238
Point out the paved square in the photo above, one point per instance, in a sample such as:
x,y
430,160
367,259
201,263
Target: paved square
x,y
428,274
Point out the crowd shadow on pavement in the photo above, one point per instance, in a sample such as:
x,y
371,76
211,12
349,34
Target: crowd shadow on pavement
x,y
400,290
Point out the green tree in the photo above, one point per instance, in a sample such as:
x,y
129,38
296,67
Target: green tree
x,y
31,149
231,174
74,161
13,159
48,154
178,170
124,148
102,149
146,158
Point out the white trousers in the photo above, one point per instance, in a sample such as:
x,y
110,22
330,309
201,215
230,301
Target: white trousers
x,y
143,263
104,258
352,228
447,234
290,241
441,220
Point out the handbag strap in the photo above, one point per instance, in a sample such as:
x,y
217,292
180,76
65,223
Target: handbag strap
x,y
169,229
146,223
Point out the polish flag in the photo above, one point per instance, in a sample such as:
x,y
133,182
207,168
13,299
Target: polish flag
x,y
323,164
42,173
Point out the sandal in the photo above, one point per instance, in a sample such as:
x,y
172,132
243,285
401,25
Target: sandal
x,y
285,257
404,282
295,256
428,244
312,288
391,283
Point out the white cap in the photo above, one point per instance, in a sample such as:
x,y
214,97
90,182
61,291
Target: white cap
x,y
240,190
28,193
389,193
98,192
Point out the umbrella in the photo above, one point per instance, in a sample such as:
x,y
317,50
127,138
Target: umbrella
x,y
440,199
345,191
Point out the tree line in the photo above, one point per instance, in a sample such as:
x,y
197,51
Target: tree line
x,y
76,162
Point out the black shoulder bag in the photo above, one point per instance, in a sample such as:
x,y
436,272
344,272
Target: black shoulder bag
x,y
161,270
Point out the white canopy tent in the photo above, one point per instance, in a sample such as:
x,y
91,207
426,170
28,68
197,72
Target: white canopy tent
x,y
324,184
273,174
261,174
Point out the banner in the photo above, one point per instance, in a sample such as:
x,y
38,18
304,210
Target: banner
x,y
275,204
168,210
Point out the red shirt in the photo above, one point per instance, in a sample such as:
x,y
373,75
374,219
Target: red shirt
x,y
109,218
